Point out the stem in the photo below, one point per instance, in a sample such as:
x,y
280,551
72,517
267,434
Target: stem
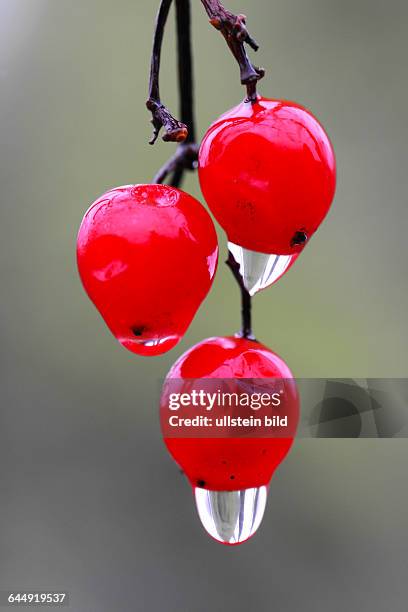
x,y
186,155
176,131
246,331
185,66
233,28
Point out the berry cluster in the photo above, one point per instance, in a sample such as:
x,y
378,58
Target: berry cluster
x,y
147,257
147,254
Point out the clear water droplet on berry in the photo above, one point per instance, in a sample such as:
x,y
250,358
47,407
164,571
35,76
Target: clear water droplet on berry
x,y
260,270
231,517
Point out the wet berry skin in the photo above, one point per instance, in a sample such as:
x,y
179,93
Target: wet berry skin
x,y
147,256
230,464
267,171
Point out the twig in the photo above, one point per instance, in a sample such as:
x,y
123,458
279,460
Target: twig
x,y
246,331
186,155
175,130
185,67
233,28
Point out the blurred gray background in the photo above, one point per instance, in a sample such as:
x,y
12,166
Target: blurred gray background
x,y
89,500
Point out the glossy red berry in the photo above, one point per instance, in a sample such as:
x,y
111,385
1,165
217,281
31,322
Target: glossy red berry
x,y
267,171
233,463
147,256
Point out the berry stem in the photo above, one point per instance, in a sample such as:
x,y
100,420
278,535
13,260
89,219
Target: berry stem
x,y
186,155
246,300
233,28
185,66
175,131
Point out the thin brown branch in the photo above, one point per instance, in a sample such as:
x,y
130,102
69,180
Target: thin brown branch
x,y
246,331
185,66
175,131
233,28
186,155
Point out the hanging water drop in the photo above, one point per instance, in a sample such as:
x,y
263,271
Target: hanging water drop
x,y
231,517
260,270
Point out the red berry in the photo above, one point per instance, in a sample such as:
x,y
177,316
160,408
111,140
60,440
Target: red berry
x,y
267,172
228,464
147,256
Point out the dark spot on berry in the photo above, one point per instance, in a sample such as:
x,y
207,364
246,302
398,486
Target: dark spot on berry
x,y
264,451
246,207
201,483
298,238
224,462
232,477
138,330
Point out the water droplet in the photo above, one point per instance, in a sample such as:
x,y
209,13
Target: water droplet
x,y
231,517
260,270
